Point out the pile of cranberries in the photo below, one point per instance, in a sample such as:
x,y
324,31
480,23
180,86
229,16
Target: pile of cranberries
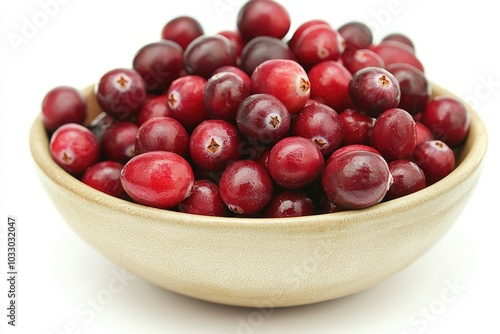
x,y
247,123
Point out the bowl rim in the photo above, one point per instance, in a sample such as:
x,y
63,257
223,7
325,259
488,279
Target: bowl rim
x,y
472,154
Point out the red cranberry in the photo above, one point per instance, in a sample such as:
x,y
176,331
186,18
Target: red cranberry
x,y
357,35
289,203
302,28
396,52
415,89
350,148
236,40
263,158
224,92
105,176
74,148
159,179
118,141
263,48
423,133
63,105
121,92
295,162
329,84
435,158
263,18
237,71
357,127
362,58
284,79
182,30
246,187
408,178
398,37
394,134
214,144
356,179
322,125
162,134
448,119
155,107
204,200
374,90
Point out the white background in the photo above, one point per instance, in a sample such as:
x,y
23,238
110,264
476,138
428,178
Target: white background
x,y
59,275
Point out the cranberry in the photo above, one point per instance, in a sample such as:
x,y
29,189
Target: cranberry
x,y
74,148
415,89
435,158
302,28
118,141
350,148
263,119
224,92
356,179
155,107
448,119
207,53
284,79
357,35
329,84
204,200
121,92
263,158
295,162
159,64
246,187
105,176
263,48
289,203
182,30
357,127
408,178
236,40
398,37
396,52
162,134
214,144
374,90
159,179
237,71
322,125
362,58
63,105
423,133
394,134
263,18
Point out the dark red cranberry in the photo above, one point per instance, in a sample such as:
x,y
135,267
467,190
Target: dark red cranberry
x,y
423,133
159,179
155,107
415,89
448,119
374,90
121,93
327,206
398,37
263,48
214,144
246,187
237,71
289,203
396,52
162,134
159,64
182,30
357,35
204,200
362,58
357,127
303,27
435,158
295,162
207,53
63,105
322,125
224,92
263,158
263,18
105,176
329,84
236,40
118,142
284,79
350,148
408,178
74,148
394,134
356,179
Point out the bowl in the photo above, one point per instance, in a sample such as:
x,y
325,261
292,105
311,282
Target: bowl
x,y
259,262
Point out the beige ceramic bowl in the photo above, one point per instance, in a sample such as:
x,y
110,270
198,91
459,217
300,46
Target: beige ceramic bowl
x,y
262,262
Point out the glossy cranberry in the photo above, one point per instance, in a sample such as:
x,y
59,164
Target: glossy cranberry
x,y
357,127
401,38
263,158
448,119
329,84
263,119
159,179
327,206
207,53
322,125
357,35
74,148
408,178
302,28
362,58
415,88
423,133
155,107
435,158
289,203
224,92
118,142
284,79
185,101
214,144
100,125
236,70
121,92
162,134
105,176
374,90
204,200
394,134
236,40
356,179
246,187
263,48
62,105
182,30
350,148
295,162
159,64
396,52
263,18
